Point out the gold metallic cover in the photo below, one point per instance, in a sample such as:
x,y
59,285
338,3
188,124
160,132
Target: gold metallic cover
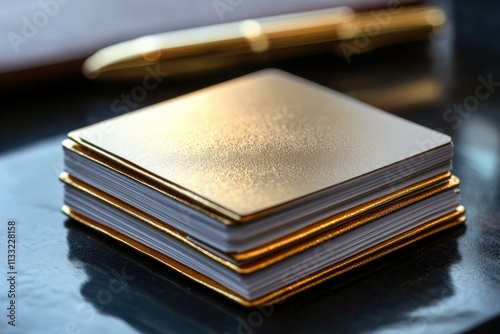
x,y
257,144
446,221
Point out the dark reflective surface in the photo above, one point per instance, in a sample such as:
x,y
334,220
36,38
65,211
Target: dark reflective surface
x,y
73,280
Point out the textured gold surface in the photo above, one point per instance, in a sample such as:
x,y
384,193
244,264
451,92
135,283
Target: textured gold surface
x,y
285,247
258,143
449,220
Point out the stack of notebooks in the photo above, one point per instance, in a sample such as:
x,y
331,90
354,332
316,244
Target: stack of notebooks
x,y
262,186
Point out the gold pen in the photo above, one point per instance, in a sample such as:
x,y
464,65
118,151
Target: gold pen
x,y
227,45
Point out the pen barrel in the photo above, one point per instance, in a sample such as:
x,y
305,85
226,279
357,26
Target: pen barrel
x,y
227,45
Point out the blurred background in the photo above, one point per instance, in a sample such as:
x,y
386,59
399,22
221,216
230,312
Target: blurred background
x,y
444,74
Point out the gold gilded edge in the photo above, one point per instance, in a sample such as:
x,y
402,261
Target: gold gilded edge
x,y
145,218
395,200
171,263
447,221
271,256
444,222
78,146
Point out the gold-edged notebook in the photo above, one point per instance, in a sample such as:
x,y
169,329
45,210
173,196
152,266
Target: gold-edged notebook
x,y
394,244
261,186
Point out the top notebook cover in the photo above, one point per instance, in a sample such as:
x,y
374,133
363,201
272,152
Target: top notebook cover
x,y
259,141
